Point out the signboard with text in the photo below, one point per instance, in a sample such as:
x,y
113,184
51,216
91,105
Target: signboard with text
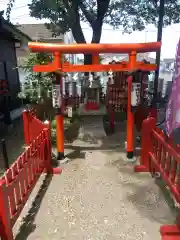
x,y
70,112
56,96
135,94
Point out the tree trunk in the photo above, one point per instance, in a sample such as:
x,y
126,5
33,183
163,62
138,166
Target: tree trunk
x,y
96,37
78,33
97,31
79,37
87,59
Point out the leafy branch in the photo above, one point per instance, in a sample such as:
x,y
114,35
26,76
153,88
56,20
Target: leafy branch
x,y
9,9
37,86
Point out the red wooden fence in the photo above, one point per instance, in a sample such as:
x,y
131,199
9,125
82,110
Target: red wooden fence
x,y
32,126
159,155
19,180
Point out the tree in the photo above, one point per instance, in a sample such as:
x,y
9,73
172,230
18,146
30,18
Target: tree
x,y
130,15
37,85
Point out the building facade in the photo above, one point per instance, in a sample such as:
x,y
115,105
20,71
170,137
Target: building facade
x,y
11,39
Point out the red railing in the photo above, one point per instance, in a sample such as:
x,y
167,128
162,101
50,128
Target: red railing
x,y
159,155
116,99
20,179
32,126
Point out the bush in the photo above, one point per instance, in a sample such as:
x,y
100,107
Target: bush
x,y
71,128
53,124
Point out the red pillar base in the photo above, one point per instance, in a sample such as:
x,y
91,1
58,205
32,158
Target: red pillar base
x,y
140,168
57,170
170,232
170,237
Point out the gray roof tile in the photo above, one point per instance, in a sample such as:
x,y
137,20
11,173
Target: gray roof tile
x,y
37,31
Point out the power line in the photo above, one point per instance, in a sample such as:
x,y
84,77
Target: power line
x,y
16,8
86,28
117,30
120,30
21,16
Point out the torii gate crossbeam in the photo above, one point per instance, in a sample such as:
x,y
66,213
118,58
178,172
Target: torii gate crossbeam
x,y
95,49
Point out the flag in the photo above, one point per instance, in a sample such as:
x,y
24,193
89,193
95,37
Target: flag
x,y
173,107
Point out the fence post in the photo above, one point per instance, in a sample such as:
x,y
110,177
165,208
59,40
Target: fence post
x,y
146,145
26,127
171,231
6,228
112,119
48,163
4,152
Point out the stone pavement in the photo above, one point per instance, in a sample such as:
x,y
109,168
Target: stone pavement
x,y
97,197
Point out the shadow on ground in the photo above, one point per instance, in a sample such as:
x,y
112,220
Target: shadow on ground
x,y
147,199
14,139
142,196
28,226
71,133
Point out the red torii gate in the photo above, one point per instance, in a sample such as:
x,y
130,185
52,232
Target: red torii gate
x,y
95,49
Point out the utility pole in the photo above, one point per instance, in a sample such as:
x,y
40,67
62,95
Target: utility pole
x,y
159,39
146,32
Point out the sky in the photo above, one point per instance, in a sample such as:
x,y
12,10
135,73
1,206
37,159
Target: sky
x,y
20,14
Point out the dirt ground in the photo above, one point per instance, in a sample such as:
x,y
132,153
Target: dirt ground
x,y
97,197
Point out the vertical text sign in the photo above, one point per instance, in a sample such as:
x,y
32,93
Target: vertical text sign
x,y
56,96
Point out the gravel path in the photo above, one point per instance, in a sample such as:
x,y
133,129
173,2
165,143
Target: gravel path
x,y
97,197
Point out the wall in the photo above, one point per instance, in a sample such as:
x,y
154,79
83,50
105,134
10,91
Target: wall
x,y
167,75
8,55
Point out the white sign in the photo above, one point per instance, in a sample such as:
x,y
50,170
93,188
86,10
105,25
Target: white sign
x,y
135,94
56,96
70,112
75,77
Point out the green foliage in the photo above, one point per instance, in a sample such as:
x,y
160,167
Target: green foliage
x,y
67,121
53,124
37,85
130,15
71,128
9,8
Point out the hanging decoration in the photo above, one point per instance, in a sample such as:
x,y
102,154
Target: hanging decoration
x,y
49,93
56,96
75,77
66,78
91,79
111,77
39,92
